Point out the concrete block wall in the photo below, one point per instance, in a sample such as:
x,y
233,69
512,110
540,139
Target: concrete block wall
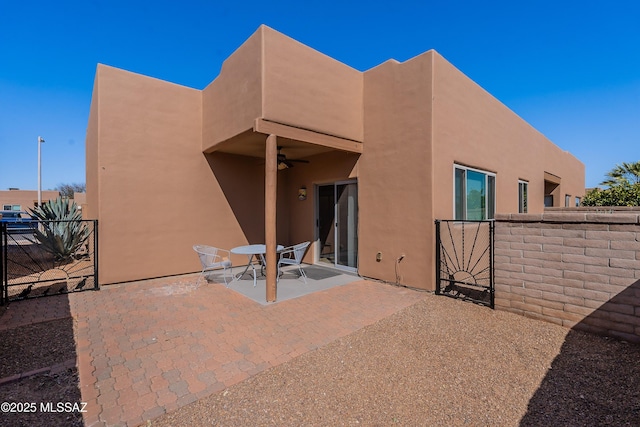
x,y
577,269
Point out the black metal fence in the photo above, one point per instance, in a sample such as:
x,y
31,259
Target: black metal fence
x,y
48,258
464,260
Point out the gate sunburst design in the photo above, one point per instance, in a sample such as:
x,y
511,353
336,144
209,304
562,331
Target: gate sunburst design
x,y
29,271
464,260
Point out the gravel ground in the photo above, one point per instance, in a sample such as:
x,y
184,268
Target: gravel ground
x,y
440,362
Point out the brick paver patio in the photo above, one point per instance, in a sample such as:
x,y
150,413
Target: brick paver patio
x,y
150,347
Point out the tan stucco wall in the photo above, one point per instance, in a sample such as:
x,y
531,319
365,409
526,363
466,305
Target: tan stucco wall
x,y
241,180
80,198
422,117
158,195
474,129
305,88
27,199
273,77
232,101
395,194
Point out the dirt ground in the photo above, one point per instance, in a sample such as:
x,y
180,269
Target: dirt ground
x,y
33,401
440,362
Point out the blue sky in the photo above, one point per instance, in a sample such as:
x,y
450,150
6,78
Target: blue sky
x,y
569,68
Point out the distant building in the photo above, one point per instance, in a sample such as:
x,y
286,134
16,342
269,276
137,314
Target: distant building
x,y
22,200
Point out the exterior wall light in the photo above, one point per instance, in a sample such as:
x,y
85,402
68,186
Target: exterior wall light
x,y
302,193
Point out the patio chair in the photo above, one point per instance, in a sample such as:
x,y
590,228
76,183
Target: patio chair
x,y
213,258
293,256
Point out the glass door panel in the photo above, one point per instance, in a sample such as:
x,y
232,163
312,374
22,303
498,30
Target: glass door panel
x,y
347,225
326,221
337,224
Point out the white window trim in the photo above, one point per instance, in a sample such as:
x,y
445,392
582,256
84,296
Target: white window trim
x,y
486,173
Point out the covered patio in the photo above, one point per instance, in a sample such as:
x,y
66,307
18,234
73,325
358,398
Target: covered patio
x,y
264,143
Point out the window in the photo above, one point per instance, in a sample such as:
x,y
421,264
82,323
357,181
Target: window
x,y
474,194
523,189
567,200
11,207
578,200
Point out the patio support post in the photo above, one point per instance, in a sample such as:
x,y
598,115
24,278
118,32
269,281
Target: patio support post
x,y
270,192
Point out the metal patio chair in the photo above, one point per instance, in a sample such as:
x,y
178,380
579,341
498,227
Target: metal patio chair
x,y
293,256
213,258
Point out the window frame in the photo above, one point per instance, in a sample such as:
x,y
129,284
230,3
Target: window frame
x,y
523,198
548,198
490,196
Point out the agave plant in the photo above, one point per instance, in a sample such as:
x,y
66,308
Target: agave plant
x,y
61,231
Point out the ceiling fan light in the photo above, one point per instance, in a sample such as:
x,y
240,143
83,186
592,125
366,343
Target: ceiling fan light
x,y
282,166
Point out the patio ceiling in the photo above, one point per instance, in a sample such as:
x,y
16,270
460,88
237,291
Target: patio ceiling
x,y
296,143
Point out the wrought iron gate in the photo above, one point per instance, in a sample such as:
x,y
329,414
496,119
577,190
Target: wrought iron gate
x,y
464,260
34,262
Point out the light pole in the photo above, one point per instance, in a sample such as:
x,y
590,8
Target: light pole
x,y
40,141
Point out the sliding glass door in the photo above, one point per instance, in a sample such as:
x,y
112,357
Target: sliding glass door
x,y
337,224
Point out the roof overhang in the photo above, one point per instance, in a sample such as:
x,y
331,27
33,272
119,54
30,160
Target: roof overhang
x,y
554,179
297,142
304,135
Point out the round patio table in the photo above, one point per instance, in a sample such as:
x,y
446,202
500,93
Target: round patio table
x,y
252,251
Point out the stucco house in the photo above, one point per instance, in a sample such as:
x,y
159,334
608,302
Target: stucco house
x,y
386,151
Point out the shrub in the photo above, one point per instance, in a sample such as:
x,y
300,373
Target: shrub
x,y
617,195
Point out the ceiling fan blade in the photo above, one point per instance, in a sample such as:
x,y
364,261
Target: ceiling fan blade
x,y
284,163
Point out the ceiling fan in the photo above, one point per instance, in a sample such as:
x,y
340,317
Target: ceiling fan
x,y
284,163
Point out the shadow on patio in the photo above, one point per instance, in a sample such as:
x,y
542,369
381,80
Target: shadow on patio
x,y
290,285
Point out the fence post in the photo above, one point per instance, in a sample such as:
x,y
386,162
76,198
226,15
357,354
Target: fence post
x,y
437,222
96,285
492,287
4,292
